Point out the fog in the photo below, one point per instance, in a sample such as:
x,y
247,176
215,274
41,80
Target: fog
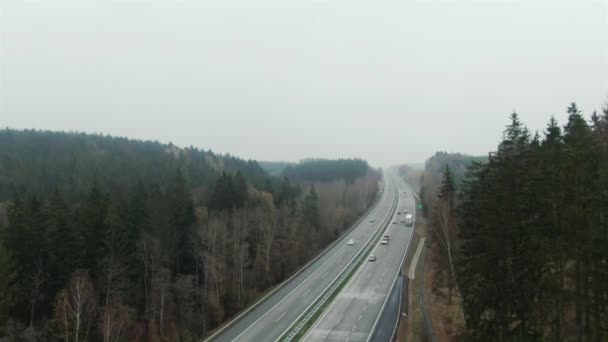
x,y
388,81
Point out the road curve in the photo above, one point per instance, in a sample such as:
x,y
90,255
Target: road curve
x,y
355,312
276,313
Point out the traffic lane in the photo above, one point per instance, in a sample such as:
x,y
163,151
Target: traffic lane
x,y
338,311
375,286
345,313
285,312
390,315
354,313
258,312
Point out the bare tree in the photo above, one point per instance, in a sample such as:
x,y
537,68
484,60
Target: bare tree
x,y
34,283
160,294
76,308
114,283
444,227
115,320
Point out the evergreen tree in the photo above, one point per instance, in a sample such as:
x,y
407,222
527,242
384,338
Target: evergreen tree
x,y
62,247
310,210
6,277
500,267
92,227
181,218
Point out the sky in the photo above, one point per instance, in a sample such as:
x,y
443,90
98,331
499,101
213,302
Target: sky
x,y
387,81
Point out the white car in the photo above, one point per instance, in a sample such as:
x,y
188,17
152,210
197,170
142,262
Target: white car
x,y
351,242
372,258
384,242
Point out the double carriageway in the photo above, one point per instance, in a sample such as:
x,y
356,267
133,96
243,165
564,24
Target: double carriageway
x,y
356,309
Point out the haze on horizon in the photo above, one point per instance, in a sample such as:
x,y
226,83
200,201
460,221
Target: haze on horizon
x,y
387,81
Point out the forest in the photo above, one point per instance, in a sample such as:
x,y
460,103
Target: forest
x,y
112,239
524,235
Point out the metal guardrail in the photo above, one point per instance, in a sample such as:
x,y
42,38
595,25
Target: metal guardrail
x,y
296,330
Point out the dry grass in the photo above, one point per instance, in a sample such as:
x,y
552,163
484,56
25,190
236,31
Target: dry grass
x,y
448,320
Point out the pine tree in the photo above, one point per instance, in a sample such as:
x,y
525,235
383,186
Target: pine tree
x,y
310,210
444,225
579,174
6,278
500,265
92,226
62,245
181,220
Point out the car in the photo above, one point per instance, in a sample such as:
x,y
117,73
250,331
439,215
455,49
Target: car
x,y
386,237
398,213
384,242
372,221
394,222
372,258
351,242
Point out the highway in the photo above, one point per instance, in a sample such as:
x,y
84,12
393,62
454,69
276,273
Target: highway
x,y
355,312
277,312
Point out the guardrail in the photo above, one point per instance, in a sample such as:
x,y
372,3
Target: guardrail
x,y
308,317
278,287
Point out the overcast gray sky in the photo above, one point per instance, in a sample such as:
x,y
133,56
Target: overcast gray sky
x,y
388,81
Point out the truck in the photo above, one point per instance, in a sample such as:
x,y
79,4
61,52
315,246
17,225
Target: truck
x,y
409,220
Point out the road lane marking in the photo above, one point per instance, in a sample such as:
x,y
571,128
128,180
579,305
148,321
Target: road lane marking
x,y
387,227
353,329
305,293
283,314
339,319
360,316
324,275
365,308
412,271
379,206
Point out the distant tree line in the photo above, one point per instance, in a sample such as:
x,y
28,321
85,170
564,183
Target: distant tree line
x,y
151,255
326,170
529,234
433,175
43,161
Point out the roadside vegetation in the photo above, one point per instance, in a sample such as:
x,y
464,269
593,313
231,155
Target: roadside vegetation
x,y
110,239
521,240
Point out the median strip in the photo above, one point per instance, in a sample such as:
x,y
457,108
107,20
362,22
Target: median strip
x,y
297,330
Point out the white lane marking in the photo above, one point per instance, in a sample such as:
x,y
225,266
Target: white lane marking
x,y
305,293
324,275
339,319
353,329
360,316
380,204
369,275
283,314
365,308
412,271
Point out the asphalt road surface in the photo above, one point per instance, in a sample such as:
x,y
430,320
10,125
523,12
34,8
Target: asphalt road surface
x,y
354,313
275,314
